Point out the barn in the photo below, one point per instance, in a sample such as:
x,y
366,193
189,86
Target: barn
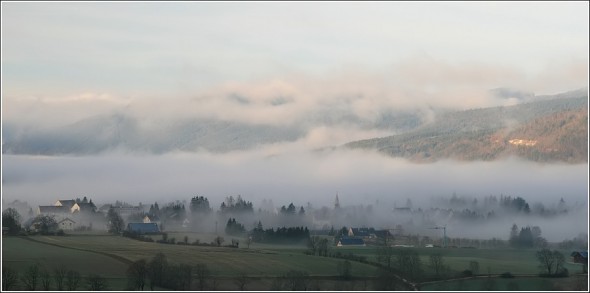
x,y
351,241
143,228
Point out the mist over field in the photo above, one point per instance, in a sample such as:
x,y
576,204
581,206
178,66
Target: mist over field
x,y
301,177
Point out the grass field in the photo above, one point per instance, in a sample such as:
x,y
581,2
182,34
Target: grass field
x,y
515,261
514,284
222,261
19,254
109,257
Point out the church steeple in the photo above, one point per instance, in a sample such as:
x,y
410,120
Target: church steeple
x,y
336,202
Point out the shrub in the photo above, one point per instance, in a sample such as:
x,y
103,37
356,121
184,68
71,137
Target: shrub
x,y
506,275
467,273
564,273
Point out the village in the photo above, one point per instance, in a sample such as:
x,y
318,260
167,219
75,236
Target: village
x,y
82,215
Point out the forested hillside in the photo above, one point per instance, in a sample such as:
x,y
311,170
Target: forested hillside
x,y
546,131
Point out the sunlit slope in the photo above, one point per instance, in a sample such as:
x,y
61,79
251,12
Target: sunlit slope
x,y
545,131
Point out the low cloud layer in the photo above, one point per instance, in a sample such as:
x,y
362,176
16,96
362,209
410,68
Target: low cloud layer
x,y
416,84
296,176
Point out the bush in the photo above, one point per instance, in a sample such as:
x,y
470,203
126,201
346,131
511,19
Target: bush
x,y
564,273
467,273
60,232
506,275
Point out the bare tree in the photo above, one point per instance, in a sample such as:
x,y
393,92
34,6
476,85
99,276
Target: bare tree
x,y
546,260
30,277
385,281
59,275
137,274
186,276
409,260
489,284
436,263
296,280
241,281
45,223
415,265
580,283
9,278
218,240
157,267
72,280
96,283
513,286
116,223
323,247
559,260
474,267
344,269
278,284
213,284
45,279
11,219
385,255
313,244
202,273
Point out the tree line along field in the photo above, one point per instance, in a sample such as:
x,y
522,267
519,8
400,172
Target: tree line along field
x,y
110,256
573,283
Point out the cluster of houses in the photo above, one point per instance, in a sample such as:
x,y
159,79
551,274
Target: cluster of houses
x,y
69,213
75,214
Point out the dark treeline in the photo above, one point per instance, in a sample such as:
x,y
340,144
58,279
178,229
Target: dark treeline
x,y
280,235
237,205
58,278
234,228
527,237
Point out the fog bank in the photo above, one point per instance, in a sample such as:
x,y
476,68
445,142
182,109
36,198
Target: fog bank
x,y
298,176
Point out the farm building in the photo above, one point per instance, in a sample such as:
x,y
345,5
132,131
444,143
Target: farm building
x,y
151,219
361,232
350,241
580,256
69,203
83,207
66,224
53,210
67,206
143,228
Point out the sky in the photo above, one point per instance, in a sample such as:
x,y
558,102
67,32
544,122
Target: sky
x,y
176,49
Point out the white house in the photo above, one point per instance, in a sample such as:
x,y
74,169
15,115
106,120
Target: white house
x,y
66,224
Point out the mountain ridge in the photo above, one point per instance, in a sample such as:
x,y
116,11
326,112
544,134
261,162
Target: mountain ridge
x,y
416,137
486,134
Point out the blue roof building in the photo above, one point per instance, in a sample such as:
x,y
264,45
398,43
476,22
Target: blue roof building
x,y
580,256
143,228
351,241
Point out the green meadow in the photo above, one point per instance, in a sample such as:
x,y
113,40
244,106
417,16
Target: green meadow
x,y
110,256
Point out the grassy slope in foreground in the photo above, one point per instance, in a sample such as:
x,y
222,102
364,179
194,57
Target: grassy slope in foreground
x,y
221,261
